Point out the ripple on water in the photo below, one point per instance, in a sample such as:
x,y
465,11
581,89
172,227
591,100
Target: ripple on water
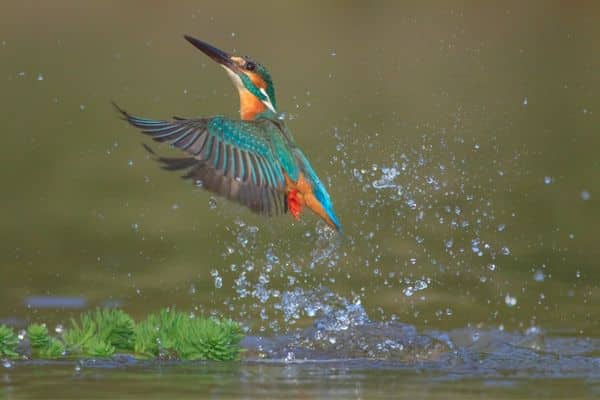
x,y
468,351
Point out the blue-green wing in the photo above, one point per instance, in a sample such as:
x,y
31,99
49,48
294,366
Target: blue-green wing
x,y
242,160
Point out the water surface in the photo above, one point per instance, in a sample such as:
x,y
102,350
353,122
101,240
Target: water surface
x,y
459,143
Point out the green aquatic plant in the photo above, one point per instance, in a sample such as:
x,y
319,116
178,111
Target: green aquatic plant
x,y
156,335
80,334
102,333
54,349
42,344
39,337
97,347
173,334
8,342
208,339
115,327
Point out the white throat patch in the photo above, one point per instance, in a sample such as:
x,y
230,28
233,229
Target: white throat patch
x,y
267,102
237,81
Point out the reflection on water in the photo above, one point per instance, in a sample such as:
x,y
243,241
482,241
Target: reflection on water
x,y
365,360
343,353
55,302
347,335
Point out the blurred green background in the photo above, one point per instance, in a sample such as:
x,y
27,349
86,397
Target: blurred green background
x,y
487,113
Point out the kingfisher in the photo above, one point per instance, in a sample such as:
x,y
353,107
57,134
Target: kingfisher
x,y
254,161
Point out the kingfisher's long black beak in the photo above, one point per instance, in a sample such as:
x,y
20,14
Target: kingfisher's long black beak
x,y
217,55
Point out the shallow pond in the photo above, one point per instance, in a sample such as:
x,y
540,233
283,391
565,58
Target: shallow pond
x,y
369,360
459,143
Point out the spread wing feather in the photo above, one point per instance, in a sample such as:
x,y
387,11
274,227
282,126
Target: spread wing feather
x,y
234,159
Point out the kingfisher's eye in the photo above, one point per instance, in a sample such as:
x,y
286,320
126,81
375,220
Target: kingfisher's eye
x,y
250,66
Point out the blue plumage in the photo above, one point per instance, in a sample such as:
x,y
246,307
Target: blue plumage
x,y
254,161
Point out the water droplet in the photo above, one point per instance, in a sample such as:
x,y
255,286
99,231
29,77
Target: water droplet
x,y
311,310
475,245
135,227
82,107
510,301
449,243
539,276
578,274
130,163
192,290
408,292
505,250
491,267
525,101
585,195
212,203
388,176
271,257
7,364
40,77
421,285
59,329
217,278
22,334
548,180
501,227
289,357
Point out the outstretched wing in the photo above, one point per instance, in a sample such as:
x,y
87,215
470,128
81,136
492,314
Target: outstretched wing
x,y
232,158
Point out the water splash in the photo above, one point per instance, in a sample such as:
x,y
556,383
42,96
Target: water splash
x,y
423,215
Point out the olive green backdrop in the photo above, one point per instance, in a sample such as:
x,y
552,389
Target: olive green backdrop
x,y
459,142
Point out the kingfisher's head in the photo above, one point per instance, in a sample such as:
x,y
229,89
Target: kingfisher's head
x,y
251,79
